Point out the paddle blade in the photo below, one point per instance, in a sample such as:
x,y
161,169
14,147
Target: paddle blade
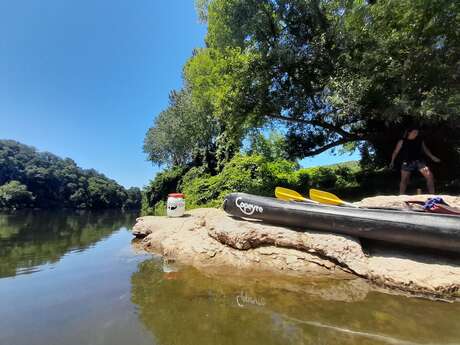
x,y
288,194
325,197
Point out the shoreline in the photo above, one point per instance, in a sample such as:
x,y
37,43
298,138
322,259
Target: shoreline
x,y
212,241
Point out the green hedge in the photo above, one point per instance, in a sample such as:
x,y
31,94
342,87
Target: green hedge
x,y
253,174
258,175
249,174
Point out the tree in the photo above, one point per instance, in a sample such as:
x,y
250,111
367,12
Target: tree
x,y
202,9
104,193
181,132
15,195
332,72
271,147
133,200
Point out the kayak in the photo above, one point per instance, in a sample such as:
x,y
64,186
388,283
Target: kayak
x,y
416,229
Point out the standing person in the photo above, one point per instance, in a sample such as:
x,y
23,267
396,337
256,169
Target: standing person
x,y
412,149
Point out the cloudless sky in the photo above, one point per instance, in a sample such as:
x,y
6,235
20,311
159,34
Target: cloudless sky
x,y
84,79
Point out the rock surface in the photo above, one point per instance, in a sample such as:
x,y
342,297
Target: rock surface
x,y
210,239
397,201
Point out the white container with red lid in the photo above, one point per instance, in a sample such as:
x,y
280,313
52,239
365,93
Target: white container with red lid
x,y
175,205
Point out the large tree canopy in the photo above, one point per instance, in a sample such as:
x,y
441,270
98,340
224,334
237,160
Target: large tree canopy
x,y
332,72
345,74
329,73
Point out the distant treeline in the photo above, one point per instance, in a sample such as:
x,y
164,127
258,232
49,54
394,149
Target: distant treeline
x,y
29,178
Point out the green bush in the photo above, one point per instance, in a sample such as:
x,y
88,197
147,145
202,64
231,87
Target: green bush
x,y
146,208
160,208
322,177
256,174
244,173
191,175
332,178
284,173
164,183
302,178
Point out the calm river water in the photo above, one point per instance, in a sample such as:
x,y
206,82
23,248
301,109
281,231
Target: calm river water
x,y
73,278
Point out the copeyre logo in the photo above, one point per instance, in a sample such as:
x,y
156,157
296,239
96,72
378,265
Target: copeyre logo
x,y
247,208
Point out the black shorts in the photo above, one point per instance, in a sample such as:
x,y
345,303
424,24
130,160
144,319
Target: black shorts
x,y
413,166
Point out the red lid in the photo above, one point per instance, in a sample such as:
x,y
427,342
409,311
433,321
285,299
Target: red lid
x,y
177,195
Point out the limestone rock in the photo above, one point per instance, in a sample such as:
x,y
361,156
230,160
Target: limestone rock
x,y
203,248
211,240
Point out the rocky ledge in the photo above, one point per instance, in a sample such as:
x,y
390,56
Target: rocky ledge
x,y
210,239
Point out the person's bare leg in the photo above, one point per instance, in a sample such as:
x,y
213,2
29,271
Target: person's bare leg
x,y
405,175
426,172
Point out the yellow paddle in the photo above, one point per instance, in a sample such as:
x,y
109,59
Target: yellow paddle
x,y
328,198
289,195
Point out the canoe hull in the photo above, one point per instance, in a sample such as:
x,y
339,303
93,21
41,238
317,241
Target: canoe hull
x,y
424,230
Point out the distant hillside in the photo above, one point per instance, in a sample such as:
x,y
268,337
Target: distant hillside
x,y
29,178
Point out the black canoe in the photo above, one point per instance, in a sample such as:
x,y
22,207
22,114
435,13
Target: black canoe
x,y
425,230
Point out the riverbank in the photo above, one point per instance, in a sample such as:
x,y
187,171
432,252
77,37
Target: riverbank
x,y
210,240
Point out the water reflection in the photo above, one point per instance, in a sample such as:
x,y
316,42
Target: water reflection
x,y
29,239
188,307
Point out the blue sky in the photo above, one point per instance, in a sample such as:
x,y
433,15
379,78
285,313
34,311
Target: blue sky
x,y
84,79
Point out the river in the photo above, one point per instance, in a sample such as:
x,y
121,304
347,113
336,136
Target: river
x,y
74,278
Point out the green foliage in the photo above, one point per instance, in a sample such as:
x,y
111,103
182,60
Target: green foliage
x,y
29,178
104,194
322,177
160,208
202,9
147,209
217,80
243,173
133,199
13,194
191,175
399,64
257,175
332,72
400,59
275,58
253,174
272,147
164,183
181,132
